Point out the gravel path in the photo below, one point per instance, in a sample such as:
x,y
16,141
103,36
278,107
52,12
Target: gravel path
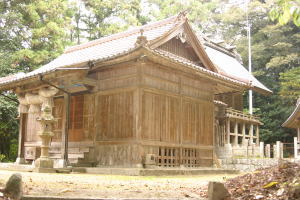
x,y
111,186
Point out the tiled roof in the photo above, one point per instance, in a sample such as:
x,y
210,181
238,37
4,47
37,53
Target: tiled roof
x,y
123,43
106,47
229,66
294,118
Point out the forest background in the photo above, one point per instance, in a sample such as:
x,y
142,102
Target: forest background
x,y
34,32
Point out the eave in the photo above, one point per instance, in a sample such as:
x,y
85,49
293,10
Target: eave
x,y
294,119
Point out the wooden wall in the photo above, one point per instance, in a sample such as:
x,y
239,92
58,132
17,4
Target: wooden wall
x,y
115,116
166,112
178,114
82,118
184,50
139,108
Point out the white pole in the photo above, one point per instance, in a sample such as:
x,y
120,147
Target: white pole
x,y
249,56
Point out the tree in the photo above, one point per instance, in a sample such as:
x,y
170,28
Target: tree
x,y
200,13
32,33
37,28
105,17
285,10
274,53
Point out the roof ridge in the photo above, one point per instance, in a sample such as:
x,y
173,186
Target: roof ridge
x,y
122,34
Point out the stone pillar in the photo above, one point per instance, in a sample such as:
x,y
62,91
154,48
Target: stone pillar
x,y
281,150
22,109
295,147
278,152
274,151
251,135
268,151
261,150
235,133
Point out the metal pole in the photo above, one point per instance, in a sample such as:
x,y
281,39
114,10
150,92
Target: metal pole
x,y
249,56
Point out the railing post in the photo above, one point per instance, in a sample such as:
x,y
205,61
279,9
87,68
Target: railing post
x,y
251,134
235,133
228,130
244,142
257,134
295,147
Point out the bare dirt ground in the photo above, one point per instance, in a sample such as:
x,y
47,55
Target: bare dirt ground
x,y
113,186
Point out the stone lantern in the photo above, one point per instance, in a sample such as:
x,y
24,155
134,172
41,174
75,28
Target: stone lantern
x,y
46,119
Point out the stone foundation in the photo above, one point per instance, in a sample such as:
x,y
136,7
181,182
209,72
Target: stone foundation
x,y
245,164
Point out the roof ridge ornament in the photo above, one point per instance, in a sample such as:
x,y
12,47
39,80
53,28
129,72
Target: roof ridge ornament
x,y
182,16
141,40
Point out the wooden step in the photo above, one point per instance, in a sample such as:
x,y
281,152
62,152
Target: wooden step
x,y
70,155
70,150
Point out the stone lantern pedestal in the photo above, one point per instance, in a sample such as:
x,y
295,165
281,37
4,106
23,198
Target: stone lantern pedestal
x,y
44,163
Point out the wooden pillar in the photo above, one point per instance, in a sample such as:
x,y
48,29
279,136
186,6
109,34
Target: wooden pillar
x,y
22,129
228,130
257,134
251,134
298,134
244,134
235,133
65,133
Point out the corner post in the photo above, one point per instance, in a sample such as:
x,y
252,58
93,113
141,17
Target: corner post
x,y
23,109
64,161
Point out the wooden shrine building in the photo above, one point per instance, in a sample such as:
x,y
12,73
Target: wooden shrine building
x,y
157,94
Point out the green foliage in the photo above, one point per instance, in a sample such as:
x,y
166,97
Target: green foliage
x,y
34,31
2,157
290,83
199,12
105,17
274,54
8,128
286,10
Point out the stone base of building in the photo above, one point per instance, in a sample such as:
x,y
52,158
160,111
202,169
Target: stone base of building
x,y
20,161
44,163
247,164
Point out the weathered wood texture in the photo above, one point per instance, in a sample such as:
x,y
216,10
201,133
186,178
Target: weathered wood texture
x,y
175,111
233,100
115,116
184,50
140,108
81,118
118,155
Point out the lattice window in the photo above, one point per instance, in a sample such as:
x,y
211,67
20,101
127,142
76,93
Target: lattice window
x,y
190,158
168,157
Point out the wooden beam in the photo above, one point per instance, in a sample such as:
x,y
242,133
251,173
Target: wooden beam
x,y
86,81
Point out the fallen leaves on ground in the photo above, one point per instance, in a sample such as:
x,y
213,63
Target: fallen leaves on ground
x,y
281,182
